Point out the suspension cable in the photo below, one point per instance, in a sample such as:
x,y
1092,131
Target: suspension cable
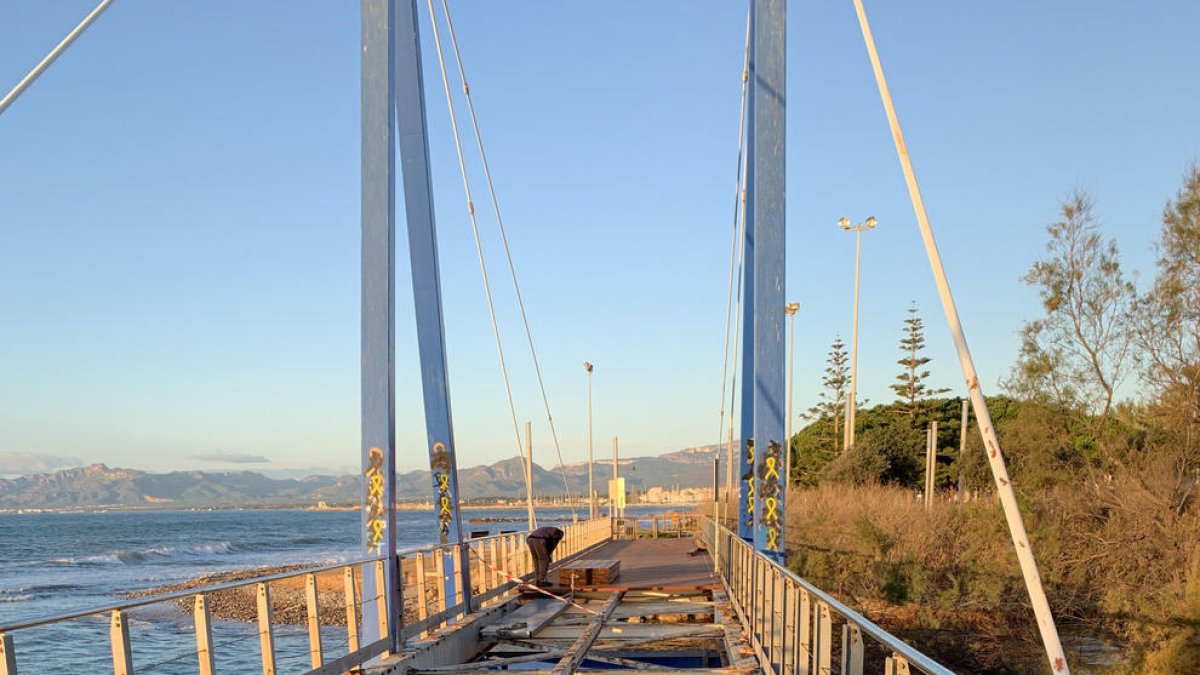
x,y
736,254
45,63
734,245
487,288
487,171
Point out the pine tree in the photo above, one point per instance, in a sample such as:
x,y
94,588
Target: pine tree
x,y
836,381
911,390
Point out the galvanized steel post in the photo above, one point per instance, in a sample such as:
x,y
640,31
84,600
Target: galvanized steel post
x,y
378,375
765,219
427,289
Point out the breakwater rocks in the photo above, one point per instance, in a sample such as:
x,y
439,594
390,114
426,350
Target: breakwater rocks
x,y
288,602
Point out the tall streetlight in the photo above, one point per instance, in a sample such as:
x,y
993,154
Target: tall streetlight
x,y
592,507
790,310
852,395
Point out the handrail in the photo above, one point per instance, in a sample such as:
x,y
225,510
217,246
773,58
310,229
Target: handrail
x,y
177,595
750,576
500,560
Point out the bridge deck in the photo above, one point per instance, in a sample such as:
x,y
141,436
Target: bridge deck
x,y
656,564
666,609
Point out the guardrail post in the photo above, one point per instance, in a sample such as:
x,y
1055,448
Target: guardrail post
x,y
351,593
804,661
439,565
654,527
777,607
493,558
311,599
422,594
456,556
8,655
824,642
852,649
266,637
122,654
896,665
204,652
381,591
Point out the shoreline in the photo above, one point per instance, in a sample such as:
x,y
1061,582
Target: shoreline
x,y
419,506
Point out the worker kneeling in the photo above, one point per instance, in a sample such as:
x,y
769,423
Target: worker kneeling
x,y
542,543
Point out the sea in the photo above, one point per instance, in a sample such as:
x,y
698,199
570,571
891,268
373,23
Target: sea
x,y
51,563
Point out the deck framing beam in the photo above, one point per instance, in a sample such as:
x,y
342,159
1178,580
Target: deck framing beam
x,y
577,652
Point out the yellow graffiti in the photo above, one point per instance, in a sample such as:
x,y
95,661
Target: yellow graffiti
x,y
772,538
772,470
772,509
750,495
375,498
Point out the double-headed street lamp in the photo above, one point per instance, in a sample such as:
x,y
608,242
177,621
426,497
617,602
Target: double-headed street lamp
x,y
790,309
592,510
852,395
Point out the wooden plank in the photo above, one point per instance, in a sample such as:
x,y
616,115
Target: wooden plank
x,y
351,661
122,654
351,599
527,619
660,608
637,631
204,652
589,572
8,655
578,651
266,638
313,607
492,663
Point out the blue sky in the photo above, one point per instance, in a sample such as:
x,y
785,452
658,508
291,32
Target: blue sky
x,y
179,210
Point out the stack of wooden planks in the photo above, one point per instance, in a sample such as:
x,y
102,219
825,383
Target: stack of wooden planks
x,y
589,573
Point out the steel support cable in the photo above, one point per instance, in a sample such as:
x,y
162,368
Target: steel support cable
x,y
733,248
508,252
1008,499
487,172
737,338
49,59
487,287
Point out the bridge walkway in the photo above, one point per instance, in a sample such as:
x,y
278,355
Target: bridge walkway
x,y
666,609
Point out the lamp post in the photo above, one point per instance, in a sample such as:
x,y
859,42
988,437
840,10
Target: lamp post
x,y
852,396
592,510
790,310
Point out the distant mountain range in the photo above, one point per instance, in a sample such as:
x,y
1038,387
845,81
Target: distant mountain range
x,y
98,485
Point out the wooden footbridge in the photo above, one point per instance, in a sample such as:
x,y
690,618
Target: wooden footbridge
x,y
723,609
452,609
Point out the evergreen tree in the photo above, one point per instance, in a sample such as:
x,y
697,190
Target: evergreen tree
x,y
910,386
836,381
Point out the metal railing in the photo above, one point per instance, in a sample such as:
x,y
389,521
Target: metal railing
x,y
791,623
496,561
655,526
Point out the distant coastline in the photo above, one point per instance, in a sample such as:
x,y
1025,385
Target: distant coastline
x,y
400,506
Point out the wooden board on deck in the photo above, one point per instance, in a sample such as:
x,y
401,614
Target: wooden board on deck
x,y
527,619
589,573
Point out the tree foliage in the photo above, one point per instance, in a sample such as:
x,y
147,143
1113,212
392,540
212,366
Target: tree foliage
x,y
910,387
1168,330
831,401
1077,353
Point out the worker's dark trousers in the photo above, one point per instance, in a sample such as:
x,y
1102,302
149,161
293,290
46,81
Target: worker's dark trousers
x,y
540,550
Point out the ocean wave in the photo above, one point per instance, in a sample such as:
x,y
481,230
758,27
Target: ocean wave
x,y
156,553
6,597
